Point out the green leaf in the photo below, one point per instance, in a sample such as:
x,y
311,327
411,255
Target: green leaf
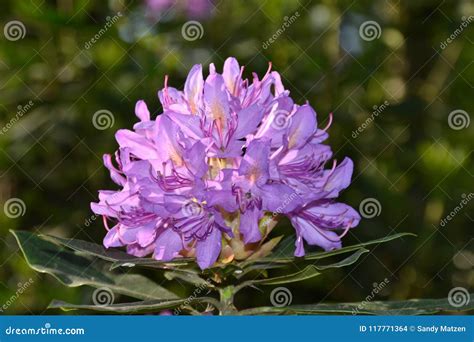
x,y
309,271
152,263
189,277
74,269
306,273
406,307
285,258
117,257
345,262
136,307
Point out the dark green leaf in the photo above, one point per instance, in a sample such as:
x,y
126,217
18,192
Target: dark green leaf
x,y
310,271
135,307
406,307
284,258
117,257
73,269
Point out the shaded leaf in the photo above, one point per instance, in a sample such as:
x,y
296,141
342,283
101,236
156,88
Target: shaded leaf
x,y
135,307
406,307
276,258
189,277
117,257
73,269
310,271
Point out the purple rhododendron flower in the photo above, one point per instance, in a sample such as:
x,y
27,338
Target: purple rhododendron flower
x,y
224,152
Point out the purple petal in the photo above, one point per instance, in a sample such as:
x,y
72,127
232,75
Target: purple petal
x,y
249,119
216,101
255,164
231,74
112,238
193,88
137,144
302,128
208,250
314,236
141,111
340,178
249,225
167,245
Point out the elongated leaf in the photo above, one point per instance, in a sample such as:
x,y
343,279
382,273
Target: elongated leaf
x,y
346,262
407,307
152,263
117,257
190,278
284,258
135,307
73,269
310,271
306,273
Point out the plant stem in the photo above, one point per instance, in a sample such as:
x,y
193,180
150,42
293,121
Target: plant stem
x,y
227,301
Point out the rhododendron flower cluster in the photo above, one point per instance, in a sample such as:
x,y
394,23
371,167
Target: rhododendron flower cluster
x,y
225,153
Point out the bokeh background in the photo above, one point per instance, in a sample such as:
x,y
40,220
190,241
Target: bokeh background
x,y
412,153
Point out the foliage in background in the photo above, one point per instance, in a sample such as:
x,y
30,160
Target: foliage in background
x,y
407,155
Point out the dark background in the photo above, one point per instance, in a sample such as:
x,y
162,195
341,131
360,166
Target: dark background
x,y
408,158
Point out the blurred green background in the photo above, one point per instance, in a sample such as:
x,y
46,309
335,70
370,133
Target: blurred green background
x,y
408,156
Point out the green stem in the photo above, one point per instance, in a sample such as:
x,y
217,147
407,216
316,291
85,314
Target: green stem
x,y
227,300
